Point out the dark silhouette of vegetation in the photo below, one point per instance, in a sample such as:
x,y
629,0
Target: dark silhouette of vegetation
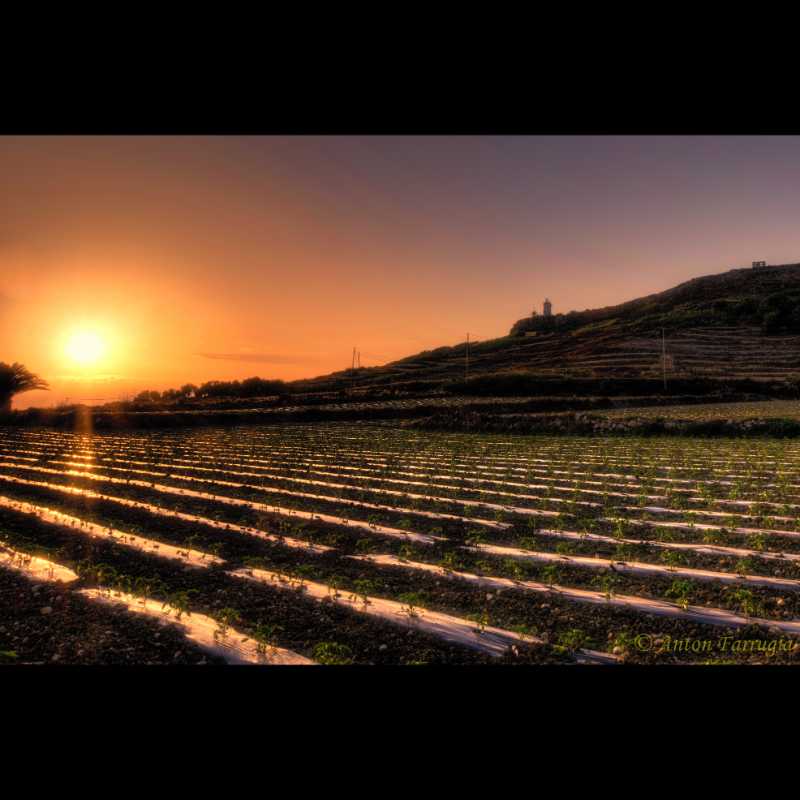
x,y
15,379
767,298
250,387
186,392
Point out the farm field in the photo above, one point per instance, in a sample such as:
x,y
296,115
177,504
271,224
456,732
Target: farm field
x,y
352,408
767,409
335,543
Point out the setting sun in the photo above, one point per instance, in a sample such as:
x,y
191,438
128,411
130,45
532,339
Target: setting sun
x,y
85,347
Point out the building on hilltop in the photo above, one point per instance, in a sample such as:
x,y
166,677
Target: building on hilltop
x,y
764,265
547,309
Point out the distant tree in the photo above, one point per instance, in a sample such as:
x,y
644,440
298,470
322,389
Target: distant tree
x,y
260,387
147,396
15,379
250,387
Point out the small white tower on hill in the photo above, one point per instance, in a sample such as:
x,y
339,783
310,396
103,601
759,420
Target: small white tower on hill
x,y
547,309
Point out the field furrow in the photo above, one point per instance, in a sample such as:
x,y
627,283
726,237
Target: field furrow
x,y
331,538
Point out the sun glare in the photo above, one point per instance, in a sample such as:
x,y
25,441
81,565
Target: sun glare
x,y
85,347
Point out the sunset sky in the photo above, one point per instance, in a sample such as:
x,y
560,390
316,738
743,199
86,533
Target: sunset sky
x,y
148,262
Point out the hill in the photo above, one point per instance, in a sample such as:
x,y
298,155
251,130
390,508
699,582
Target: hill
x,y
729,337
740,324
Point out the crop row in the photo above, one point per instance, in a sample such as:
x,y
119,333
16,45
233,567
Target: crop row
x,y
619,540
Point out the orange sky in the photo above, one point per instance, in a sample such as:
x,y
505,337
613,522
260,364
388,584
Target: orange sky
x,y
278,255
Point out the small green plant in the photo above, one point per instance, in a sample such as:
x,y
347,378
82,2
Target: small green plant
x,y
607,582
483,567
513,569
680,591
332,653
483,620
265,635
179,601
254,562
624,553
124,583
306,572
550,574
363,587
746,601
565,548
623,640
475,538
225,618
334,584
713,537
572,639
744,566
449,561
672,558
525,632
411,601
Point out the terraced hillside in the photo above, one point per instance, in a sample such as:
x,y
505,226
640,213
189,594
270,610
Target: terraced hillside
x,y
743,323
719,352
337,543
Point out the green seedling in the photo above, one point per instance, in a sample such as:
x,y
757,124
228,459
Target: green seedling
x,y
572,639
363,588
680,591
224,619
410,600
332,653
265,636
672,558
550,574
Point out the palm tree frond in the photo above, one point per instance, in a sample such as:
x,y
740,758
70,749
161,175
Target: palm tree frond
x,y
16,378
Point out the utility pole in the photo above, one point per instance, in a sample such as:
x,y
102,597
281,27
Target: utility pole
x,y
353,362
664,358
466,360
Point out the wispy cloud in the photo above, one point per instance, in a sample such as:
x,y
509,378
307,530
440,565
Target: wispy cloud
x,y
259,358
90,378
